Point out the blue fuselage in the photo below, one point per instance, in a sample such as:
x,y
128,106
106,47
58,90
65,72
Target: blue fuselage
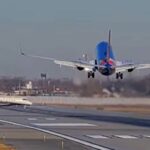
x,y
106,65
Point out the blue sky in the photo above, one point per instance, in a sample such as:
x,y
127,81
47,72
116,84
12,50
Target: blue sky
x,y
66,29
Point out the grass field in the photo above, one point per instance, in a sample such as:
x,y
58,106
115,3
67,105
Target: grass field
x,y
5,147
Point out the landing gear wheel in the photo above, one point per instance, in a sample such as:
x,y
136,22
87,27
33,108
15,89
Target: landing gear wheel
x,y
91,74
119,75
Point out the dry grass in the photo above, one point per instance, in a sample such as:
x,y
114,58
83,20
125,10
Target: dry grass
x,y
5,147
142,109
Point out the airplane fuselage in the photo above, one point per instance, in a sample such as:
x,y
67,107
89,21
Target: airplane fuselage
x,y
109,67
106,65
107,71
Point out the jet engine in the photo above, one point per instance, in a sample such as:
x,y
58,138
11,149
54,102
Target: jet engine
x,y
80,68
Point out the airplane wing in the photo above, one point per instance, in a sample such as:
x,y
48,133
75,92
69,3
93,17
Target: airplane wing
x,y
131,67
35,56
87,66
83,64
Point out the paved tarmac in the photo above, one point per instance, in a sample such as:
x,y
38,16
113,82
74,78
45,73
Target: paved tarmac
x,y
42,127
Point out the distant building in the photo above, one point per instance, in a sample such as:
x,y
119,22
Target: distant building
x,y
29,86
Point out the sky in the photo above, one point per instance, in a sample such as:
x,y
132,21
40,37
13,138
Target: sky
x,y
67,29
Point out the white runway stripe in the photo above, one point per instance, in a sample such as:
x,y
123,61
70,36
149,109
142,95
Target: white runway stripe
x,y
95,146
32,119
98,136
146,136
64,124
118,136
126,136
50,119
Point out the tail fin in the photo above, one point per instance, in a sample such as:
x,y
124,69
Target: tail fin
x,y
109,45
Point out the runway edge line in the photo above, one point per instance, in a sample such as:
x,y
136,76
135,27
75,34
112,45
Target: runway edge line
x,y
98,147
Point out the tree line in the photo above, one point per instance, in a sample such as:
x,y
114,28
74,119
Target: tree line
x,y
127,87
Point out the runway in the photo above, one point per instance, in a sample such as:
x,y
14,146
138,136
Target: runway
x,y
84,129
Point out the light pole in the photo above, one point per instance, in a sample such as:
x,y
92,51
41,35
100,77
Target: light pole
x,y
43,77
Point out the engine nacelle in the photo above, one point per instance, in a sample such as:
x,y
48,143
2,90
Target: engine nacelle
x,y
80,68
130,70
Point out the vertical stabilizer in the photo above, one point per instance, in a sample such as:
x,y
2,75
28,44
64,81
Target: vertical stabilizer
x,y
109,45
104,50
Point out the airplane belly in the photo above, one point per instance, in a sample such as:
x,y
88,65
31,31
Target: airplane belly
x,y
107,71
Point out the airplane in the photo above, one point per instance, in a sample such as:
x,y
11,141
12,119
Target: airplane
x,y
105,62
10,100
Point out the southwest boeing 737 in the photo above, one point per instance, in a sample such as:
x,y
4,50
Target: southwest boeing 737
x,y
104,63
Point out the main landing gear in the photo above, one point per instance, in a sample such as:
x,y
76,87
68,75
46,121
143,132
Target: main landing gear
x,y
91,74
119,75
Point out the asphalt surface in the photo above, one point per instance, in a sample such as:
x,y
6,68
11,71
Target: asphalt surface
x,y
78,129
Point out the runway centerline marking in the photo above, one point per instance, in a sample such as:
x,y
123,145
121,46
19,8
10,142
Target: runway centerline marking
x,y
98,136
95,146
126,136
50,119
146,136
32,119
64,124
